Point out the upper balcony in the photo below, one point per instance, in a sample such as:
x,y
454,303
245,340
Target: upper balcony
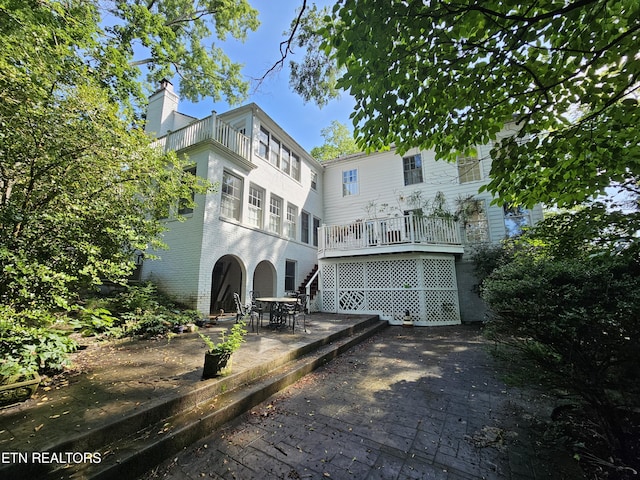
x,y
400,234
208,129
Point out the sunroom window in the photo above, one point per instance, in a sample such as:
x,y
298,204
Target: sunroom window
x,y
231,196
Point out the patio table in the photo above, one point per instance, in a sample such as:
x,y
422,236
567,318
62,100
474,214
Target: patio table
x,y
277,312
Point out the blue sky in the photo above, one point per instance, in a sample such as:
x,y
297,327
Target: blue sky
x,y
261,50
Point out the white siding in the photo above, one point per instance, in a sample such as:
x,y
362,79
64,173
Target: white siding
x,y
381,182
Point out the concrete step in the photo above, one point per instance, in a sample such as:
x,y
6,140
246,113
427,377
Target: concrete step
x,y
130,447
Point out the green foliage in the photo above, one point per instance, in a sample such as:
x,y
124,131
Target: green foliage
x,y
315,77
576,318
486,258
78,184
26,349
173,34
452,75
92,321
146,324
228,343
339,141
137,310
112,42
591,229
138,298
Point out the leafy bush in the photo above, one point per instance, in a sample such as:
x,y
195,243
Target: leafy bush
x,y
144,297
92,321
486,258
137,310
27,349
577,319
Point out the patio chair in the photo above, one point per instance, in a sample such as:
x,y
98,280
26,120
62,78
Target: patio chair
x,y
297,309
244,311
256,307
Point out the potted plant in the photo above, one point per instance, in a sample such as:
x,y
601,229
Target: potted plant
x,y
218,354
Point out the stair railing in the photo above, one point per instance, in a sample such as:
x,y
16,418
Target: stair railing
x,y
307,288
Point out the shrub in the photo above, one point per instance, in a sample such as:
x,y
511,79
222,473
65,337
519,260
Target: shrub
x,y
93,321
27,349
578,320
143,310
133,298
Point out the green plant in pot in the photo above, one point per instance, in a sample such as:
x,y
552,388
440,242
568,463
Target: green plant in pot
x,y
218,354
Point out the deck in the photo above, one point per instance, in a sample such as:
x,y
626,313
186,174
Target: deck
x,y
408,233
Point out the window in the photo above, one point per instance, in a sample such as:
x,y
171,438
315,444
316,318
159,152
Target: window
x,y
515,218
263,143
295,166
314,180
304,227
256,205
290,276
469,169
316,226
278,155
231,196
184,206
349,182
241,127
274,156
412,167
286,160
291,224
275,214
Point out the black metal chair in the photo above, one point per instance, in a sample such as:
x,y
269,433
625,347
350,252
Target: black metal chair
x,y
297,309
256,307
244,311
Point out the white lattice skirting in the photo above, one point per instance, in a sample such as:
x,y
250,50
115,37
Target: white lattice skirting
x,y
425,285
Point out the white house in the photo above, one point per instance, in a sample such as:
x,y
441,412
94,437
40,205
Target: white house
x,y
383,233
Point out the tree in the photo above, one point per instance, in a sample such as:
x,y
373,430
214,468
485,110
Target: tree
x,y
168,38
338,141
451,75
79,186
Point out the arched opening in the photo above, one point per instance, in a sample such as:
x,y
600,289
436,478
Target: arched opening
x,y
226,279
264,279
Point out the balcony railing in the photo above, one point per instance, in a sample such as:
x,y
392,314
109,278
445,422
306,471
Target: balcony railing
x,y
384,232
210,128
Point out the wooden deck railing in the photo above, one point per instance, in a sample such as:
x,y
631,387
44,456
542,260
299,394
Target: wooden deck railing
x,y
210,128
374,233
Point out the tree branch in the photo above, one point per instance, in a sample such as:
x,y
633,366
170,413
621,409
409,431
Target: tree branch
x,y
285,45
137,63
197,15
521,18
